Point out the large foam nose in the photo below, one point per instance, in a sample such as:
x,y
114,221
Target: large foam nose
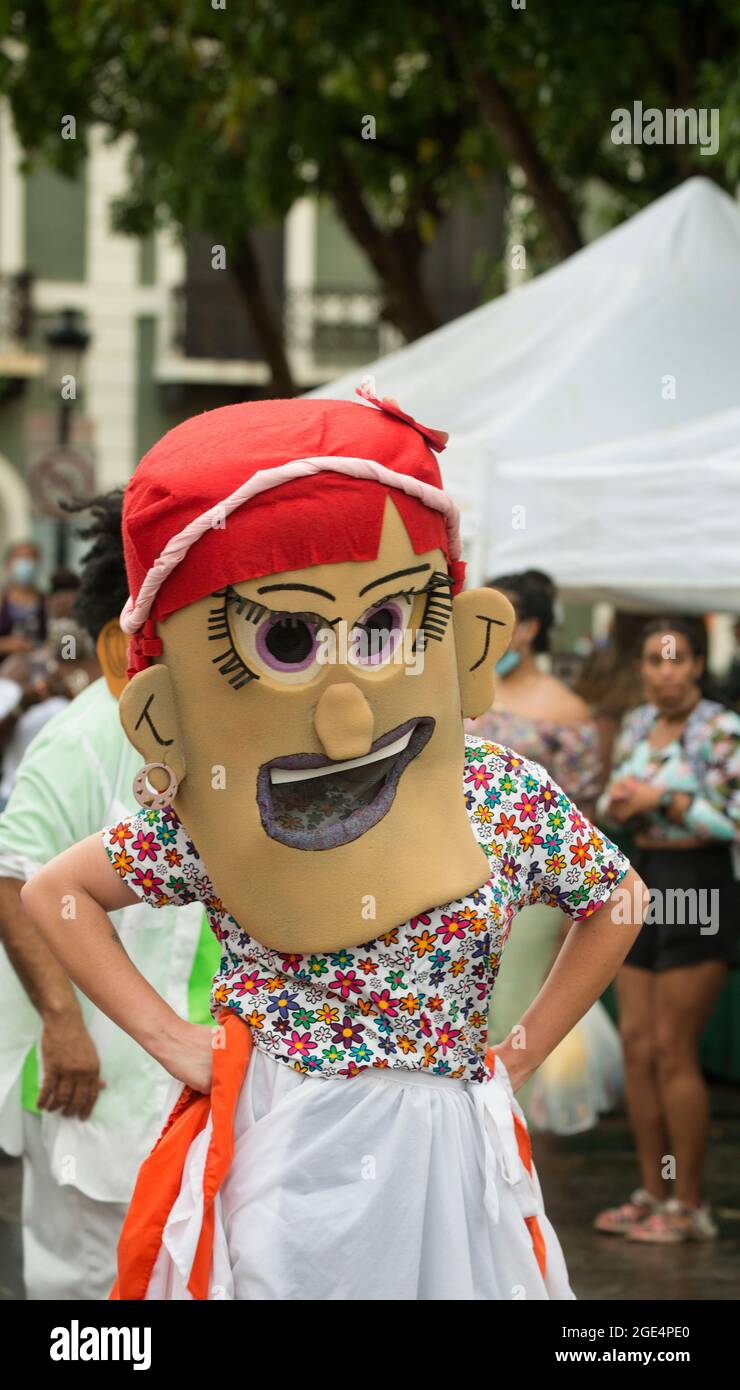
x,y
344,722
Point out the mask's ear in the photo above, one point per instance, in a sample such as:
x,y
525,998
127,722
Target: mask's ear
x,y
484,620
147,712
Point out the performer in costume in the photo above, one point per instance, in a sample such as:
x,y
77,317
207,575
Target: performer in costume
x,y
78,1099
303,659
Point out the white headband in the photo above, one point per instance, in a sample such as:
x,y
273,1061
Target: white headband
x,y
134,615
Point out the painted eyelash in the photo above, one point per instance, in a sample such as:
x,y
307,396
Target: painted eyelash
x,y
388,598
229,662
254,612
434,584
437,588
438,608
248,607
433,626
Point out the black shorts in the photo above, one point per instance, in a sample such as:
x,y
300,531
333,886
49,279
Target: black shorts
x,y
694,912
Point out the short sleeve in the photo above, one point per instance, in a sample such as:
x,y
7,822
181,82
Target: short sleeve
x,y
59,797
154,855
716,812
547,850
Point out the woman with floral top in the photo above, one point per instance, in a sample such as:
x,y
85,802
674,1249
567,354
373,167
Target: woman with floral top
x,y
303,657
676,786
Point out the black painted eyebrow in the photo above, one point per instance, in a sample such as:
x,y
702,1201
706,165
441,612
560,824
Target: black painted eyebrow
x,y
304,588
397,574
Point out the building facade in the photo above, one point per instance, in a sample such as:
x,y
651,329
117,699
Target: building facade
x,y
169,335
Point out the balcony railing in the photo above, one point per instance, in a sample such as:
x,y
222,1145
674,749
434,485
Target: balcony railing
x,y
17,361
323,329
333,325
15,311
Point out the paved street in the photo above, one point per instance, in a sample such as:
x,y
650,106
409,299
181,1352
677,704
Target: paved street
x,y
581,1175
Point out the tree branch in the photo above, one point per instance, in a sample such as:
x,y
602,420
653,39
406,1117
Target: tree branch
x,y
500,111
395,256
264,311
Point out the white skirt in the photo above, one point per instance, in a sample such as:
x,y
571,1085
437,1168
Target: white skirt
x,y
394,1184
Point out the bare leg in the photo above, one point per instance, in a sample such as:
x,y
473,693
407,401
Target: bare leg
x,y
685,1000
636,995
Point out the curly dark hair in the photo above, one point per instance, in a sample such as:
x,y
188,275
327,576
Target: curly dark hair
x,y
103,586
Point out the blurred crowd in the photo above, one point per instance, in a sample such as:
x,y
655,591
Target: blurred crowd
x,y
47,655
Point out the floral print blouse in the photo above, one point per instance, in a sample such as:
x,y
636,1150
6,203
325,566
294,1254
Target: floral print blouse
x,y
418,995
704,761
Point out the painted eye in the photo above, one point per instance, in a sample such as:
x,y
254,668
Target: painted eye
x,y
286,643
377,635
283,645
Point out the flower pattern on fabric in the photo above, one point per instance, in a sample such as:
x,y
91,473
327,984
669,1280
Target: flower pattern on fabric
x,y
417,996
570,751
704,761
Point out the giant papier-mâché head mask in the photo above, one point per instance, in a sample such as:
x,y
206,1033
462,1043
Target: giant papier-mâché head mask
x,y
303,659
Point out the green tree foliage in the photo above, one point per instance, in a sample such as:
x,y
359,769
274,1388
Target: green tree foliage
x,y
233,113
236,113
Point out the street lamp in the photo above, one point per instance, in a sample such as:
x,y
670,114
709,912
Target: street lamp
x,y
67,340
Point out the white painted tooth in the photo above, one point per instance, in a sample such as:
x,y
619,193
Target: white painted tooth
x,y
301,774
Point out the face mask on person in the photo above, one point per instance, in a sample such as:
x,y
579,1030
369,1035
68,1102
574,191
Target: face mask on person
x,y
508,662
23,570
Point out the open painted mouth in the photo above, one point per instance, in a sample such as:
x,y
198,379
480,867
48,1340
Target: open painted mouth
x,y
310,802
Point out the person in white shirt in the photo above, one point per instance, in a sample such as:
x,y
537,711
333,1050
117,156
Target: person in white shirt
x,y
78,1099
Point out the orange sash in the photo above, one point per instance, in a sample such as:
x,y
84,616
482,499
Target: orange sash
x,y
160,1175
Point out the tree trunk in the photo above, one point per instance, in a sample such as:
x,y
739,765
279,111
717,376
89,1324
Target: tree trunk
x,y
265,313
508,123
395,256
516,138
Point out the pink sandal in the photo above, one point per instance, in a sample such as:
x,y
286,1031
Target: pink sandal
x,y
675,1224
620,1221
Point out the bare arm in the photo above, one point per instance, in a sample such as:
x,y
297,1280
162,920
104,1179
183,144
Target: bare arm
x,y
39,971
71,1069
69,901
590,957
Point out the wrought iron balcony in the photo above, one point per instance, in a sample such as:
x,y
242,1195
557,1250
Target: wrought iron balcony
x,y
326,327
15,310
333,326
16,359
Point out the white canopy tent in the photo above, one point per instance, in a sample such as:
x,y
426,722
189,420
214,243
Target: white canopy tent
x,y
594,412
